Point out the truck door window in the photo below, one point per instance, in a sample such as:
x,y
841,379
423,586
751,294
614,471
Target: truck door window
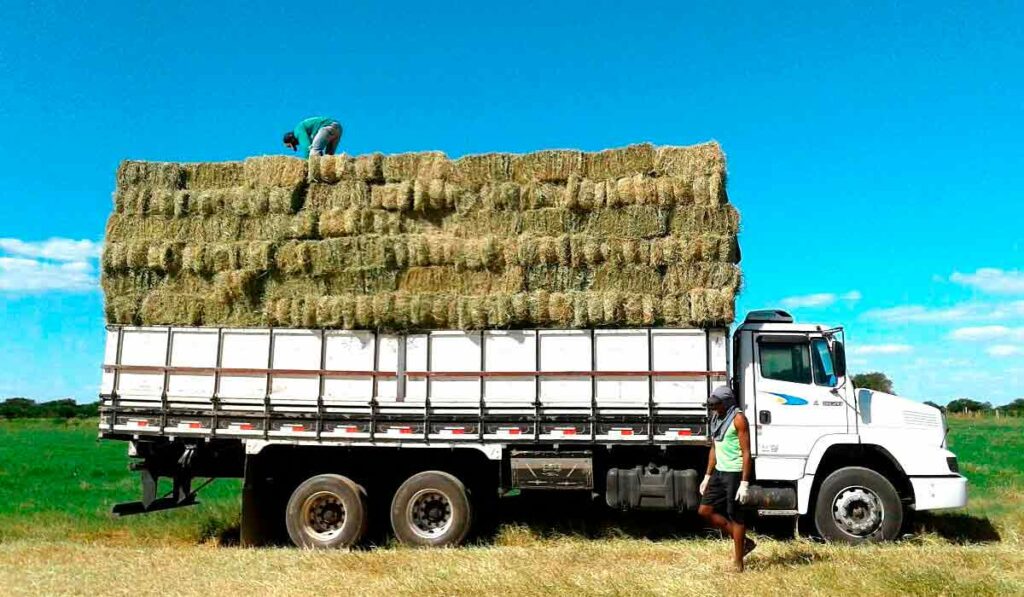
x,y
824,372
786,362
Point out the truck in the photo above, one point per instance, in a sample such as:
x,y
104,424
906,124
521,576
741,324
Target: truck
x,y
323,425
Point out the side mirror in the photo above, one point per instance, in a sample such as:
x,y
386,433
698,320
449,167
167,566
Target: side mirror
x,y
839,358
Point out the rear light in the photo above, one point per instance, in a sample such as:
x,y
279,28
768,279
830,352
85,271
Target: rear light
x,y
954,467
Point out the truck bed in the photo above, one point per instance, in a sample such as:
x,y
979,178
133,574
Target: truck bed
x,y
338,386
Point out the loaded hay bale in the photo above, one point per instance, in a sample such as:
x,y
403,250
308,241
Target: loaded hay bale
x,y
633,236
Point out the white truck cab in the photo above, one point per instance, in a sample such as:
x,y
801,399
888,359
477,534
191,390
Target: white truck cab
x,y
863,456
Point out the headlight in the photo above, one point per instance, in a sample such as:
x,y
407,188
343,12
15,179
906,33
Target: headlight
x,y
951,462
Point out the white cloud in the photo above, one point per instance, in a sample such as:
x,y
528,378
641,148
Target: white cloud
x,y
821,299
882,349
54,265
54,249
972,311
1004,350
987,332
993,280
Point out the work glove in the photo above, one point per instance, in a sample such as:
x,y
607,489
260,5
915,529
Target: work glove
x,y
742,494
704,484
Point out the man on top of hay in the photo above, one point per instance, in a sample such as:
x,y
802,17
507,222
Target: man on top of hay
x,y
318,135
724,489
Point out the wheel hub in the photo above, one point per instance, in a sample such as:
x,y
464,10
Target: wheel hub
x,y
430,513
323,515
858,511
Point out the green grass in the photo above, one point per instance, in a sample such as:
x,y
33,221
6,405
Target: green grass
x,y
57,537
58,482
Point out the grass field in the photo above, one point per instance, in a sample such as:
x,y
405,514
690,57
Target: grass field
x,y
56,537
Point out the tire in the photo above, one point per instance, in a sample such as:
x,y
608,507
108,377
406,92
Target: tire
x,y
858,505
315,507
431,509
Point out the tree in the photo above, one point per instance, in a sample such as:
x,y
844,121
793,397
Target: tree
x,y
966,405
1013,408
875,380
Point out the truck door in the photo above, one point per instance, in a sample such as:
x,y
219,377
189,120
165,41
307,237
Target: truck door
x,y
795,402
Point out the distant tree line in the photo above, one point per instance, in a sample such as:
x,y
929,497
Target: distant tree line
x,y
66,408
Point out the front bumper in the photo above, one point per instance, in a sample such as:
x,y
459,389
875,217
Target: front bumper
x,y
936,493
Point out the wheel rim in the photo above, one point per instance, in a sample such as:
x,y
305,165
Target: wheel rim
x,y
429,513
858,511
323,515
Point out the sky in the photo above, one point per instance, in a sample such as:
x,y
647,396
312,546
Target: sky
x,y
874,148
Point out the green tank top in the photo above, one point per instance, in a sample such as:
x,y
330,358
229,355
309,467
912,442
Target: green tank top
x,y
728,456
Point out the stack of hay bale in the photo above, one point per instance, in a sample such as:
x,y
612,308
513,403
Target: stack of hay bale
x,y
637,236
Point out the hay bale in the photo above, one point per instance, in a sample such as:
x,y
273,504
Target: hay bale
x,y
630,279
348,222
473,171
334,168
237,286
477,223
211,175
342,195
553,165
336,254
417,165
638,222
274,171
680,279
294,257
432,279
695,220
554,278
435,194
620,162
711,306
163,307
392,196
551,221
690,162
163,175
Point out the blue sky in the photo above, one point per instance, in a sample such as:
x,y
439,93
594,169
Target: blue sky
x,y
874,148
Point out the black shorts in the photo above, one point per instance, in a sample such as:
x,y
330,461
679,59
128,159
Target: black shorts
x,y
721,495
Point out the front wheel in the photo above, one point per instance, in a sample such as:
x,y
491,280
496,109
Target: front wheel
x,y
431,509
858,505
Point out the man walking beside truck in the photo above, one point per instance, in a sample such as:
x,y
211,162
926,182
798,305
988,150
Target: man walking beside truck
x,y
724,490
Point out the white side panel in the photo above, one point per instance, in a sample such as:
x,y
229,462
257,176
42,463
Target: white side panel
x,y
192,347
680,350
455,351
300,350
565,350
719,357
244,349
416,360
512,350
109,358
349,351
142,347
621,350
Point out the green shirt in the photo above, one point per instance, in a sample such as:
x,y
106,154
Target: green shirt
x,y
306,130
728,456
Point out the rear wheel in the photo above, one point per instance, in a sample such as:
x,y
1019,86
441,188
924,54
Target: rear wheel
x,y
858,505
327,511
431,509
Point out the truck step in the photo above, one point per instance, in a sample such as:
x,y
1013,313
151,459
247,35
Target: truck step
x,y
778,513
132,508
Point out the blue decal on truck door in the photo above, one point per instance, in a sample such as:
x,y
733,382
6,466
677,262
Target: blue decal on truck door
x,y
787,400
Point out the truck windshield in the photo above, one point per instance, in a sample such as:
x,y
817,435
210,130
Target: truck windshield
x,y
824,372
